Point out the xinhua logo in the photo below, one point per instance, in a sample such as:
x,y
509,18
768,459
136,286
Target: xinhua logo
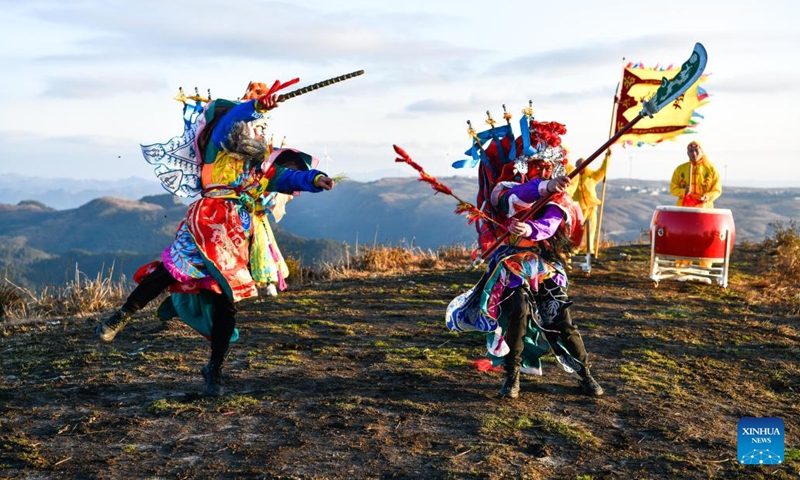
x,y
760,441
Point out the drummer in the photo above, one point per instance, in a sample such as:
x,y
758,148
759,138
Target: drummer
x,y
696,183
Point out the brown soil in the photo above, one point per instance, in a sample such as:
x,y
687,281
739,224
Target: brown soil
x,y
359,378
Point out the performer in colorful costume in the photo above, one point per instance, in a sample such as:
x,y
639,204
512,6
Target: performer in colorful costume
x,y
586,195
521,301
207,268
696,183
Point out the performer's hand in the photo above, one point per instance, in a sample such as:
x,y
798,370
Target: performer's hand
x,y
520,229
267,102
324,182
700,198
558,184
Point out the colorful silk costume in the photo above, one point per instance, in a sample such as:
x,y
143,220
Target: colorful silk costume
x,y
219,250
267,264
224,245
509,184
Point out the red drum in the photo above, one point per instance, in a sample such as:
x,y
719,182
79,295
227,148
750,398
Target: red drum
x,y
689,232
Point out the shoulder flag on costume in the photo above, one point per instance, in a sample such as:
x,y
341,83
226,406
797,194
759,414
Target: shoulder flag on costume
x,y
177,165
639,84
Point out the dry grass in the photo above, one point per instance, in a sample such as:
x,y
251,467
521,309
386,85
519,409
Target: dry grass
x,y
78,297
387,259
84,295
456,252
783,249
299,274
780,264
12,299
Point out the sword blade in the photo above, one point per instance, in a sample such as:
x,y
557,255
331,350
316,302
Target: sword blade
x,y
669,90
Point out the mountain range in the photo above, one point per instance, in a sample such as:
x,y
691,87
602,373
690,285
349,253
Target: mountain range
x,y
108,236
403,209
41,244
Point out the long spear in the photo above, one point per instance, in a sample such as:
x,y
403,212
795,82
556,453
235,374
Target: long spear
x,y
318,85
669,90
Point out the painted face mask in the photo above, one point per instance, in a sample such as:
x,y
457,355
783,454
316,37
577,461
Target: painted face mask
x,y
258,129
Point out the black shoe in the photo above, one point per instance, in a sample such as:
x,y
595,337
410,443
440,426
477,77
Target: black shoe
x,y
212,373
510,388
114,324
589,386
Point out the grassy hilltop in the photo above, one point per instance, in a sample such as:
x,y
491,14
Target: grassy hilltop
x,y
356,376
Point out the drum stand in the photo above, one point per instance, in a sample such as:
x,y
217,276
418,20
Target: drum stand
x,y
663,267
586,263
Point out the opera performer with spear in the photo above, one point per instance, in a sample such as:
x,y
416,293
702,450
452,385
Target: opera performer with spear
x,y
520,301
224,156
525,224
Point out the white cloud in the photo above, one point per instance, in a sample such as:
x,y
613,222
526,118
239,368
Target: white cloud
x,y
86,81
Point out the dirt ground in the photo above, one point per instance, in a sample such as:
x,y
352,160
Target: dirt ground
x,y
359,378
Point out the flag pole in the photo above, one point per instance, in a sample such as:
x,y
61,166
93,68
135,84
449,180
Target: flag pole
x,y
614,109
596,240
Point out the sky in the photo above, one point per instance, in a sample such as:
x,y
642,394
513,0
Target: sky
x,y
85,82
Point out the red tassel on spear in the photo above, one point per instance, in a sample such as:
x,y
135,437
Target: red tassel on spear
x,y
472,212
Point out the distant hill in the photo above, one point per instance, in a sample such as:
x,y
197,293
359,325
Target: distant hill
x,y
402,209
41,244
391,210
66,193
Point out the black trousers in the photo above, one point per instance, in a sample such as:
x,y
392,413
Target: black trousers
x,y
550,305
224,310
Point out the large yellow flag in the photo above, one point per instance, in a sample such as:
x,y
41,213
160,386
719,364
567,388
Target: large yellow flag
x,y
639,84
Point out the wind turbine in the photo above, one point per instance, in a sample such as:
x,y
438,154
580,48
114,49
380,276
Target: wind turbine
x,y
327,160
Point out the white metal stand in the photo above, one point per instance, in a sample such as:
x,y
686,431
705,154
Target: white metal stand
x,y
584,262
663,267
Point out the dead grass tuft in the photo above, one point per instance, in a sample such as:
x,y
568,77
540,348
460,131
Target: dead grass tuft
x,y
456,252
387,259
85,295
12,299
78,297
780,263
303,275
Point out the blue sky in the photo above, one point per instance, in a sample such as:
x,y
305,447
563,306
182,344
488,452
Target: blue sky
x,y
86,81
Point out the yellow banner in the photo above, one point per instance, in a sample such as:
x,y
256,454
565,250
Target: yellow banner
x,y
639,84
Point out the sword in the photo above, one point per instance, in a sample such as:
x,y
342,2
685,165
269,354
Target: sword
x,y
318,85
669,90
